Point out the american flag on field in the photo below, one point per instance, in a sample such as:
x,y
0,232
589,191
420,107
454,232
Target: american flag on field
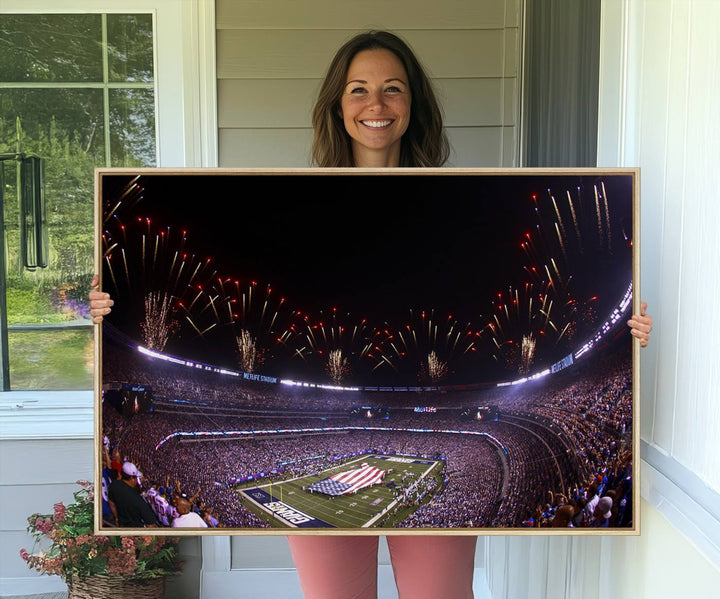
x,y
349,481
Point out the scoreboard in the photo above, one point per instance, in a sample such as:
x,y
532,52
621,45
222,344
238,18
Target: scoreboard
x,y
370,412
129,399
484,413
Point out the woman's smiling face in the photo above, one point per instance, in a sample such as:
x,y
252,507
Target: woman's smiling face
x,y
375,107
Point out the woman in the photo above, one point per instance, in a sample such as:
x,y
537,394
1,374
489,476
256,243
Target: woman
x,y
363,114
376,108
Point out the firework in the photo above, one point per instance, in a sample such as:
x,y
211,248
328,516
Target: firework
x,y
606,212
571,205
598,212
319,338
434,369
538,308
147,260
543,311
159,280
129,195
337,367
444,338
529,311
248,351
559,226
253,310
158,324
527,353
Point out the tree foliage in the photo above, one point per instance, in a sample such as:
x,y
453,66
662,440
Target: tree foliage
x,y
66,127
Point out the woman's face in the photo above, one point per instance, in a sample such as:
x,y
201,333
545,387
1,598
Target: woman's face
x,y
375,107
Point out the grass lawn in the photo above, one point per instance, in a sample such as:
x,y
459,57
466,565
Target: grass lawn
x,y
53,359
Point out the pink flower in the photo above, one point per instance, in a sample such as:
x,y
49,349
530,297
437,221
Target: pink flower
x,y
128,543
121,562
44,526
53,566
59,509
72,554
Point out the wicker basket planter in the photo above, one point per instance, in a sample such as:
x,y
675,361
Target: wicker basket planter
x,y
116,587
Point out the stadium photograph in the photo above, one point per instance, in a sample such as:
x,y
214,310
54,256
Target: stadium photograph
x,y
376,351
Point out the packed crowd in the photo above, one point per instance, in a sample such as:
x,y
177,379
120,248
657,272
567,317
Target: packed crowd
x,y
603,501
210,467
129,499
555,439
591,408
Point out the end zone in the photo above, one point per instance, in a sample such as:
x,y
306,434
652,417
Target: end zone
x,y
287,514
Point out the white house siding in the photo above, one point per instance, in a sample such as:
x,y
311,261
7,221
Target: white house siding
x,y
271,58
55,468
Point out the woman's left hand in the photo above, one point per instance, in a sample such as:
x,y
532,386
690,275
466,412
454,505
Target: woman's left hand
x,y
641,325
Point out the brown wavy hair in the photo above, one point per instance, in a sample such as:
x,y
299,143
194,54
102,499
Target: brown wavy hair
x,y
423,144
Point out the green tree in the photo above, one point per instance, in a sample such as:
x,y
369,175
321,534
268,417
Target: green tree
x,y
77,91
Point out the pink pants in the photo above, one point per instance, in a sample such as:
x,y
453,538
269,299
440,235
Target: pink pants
x,y
345,567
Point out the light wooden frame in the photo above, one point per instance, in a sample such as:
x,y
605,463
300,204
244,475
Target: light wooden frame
x,y
417,182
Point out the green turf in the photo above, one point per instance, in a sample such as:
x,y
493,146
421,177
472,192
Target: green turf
x,y
346,511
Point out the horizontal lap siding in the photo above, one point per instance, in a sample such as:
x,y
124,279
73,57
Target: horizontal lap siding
x,y
35,476
354,14
264,148
274,104
290,148
306,54
271,58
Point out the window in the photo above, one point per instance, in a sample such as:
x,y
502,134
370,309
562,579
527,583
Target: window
x,y
77,91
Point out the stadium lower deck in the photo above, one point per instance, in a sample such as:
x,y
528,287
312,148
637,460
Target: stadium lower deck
x,y
226,439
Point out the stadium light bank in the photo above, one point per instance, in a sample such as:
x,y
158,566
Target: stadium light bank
x,y
291,383
615,316
238,373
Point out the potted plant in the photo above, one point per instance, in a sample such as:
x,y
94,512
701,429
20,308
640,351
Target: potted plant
x,y
94,566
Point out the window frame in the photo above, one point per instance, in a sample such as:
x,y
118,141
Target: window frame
x,y
186,136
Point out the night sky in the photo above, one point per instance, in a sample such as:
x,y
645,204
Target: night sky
x,y
373,246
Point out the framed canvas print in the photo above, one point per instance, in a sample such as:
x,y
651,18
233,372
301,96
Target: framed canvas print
x,y
390,351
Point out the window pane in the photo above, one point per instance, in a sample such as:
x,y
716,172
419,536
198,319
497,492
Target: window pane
x,y
38,48
53,359
52,122
65,128
132,127
50,333
130,48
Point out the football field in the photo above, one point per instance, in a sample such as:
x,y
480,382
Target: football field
x,y
288,503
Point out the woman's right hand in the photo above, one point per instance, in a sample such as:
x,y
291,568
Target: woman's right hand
x,y
100,302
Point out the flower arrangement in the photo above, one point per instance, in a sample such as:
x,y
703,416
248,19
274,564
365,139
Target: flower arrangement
x,y
74,552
